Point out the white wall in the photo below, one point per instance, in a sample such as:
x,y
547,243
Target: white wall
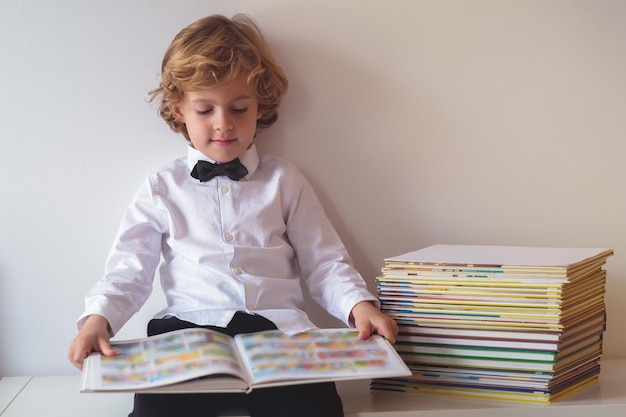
x,y
484,121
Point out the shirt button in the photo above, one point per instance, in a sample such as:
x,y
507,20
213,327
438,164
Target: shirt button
x,y
237,271
225,189
228,237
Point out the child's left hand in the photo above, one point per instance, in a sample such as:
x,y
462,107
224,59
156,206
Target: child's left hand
x,y
369,320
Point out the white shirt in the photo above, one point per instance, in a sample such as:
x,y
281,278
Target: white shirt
x,y
227,246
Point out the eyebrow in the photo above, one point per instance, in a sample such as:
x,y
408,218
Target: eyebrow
x,y
203,100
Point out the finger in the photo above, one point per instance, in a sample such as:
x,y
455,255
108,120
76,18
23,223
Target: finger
x,y
388,334
365,329
77,358
389,330
105,348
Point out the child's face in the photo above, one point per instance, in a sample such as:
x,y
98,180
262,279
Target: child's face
x,y
221,120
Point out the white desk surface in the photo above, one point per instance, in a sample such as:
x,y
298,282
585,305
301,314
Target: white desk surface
x,y
10,388
59,396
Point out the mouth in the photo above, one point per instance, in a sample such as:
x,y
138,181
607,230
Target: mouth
x,y
223,142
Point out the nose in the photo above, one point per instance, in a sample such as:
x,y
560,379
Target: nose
x,y
222,122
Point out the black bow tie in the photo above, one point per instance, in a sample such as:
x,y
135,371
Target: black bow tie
x,y
205,171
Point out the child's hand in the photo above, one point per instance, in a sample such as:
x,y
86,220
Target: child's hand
x,y
94,335
369,320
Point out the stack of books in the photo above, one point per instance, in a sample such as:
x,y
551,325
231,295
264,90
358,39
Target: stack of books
x,y
496,322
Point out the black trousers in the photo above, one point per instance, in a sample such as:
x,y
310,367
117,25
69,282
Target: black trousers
x,y
307,400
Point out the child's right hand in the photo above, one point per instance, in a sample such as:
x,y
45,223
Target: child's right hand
x,y
93,336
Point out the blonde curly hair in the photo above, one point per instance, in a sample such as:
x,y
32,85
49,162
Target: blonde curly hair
x,y
215,50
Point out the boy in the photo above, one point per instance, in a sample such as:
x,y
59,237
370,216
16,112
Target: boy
x,y
236,232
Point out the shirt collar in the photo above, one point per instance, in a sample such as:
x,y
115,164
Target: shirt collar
x,y
249,159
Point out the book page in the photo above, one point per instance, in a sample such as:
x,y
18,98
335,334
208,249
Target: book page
x,y
318,355
163,359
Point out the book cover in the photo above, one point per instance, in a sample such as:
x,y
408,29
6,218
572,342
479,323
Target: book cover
x,y
508,257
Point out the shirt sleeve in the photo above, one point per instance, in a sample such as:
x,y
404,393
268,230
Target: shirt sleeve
x,y
325,265
131,263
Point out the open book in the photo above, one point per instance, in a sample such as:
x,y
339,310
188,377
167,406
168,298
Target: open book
x,y
200,360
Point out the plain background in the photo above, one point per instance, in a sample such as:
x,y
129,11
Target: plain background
x,y
496,122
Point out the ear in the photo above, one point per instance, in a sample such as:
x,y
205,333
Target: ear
x,y
177,112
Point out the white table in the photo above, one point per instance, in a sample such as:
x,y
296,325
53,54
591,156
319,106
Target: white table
x,y
59,396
